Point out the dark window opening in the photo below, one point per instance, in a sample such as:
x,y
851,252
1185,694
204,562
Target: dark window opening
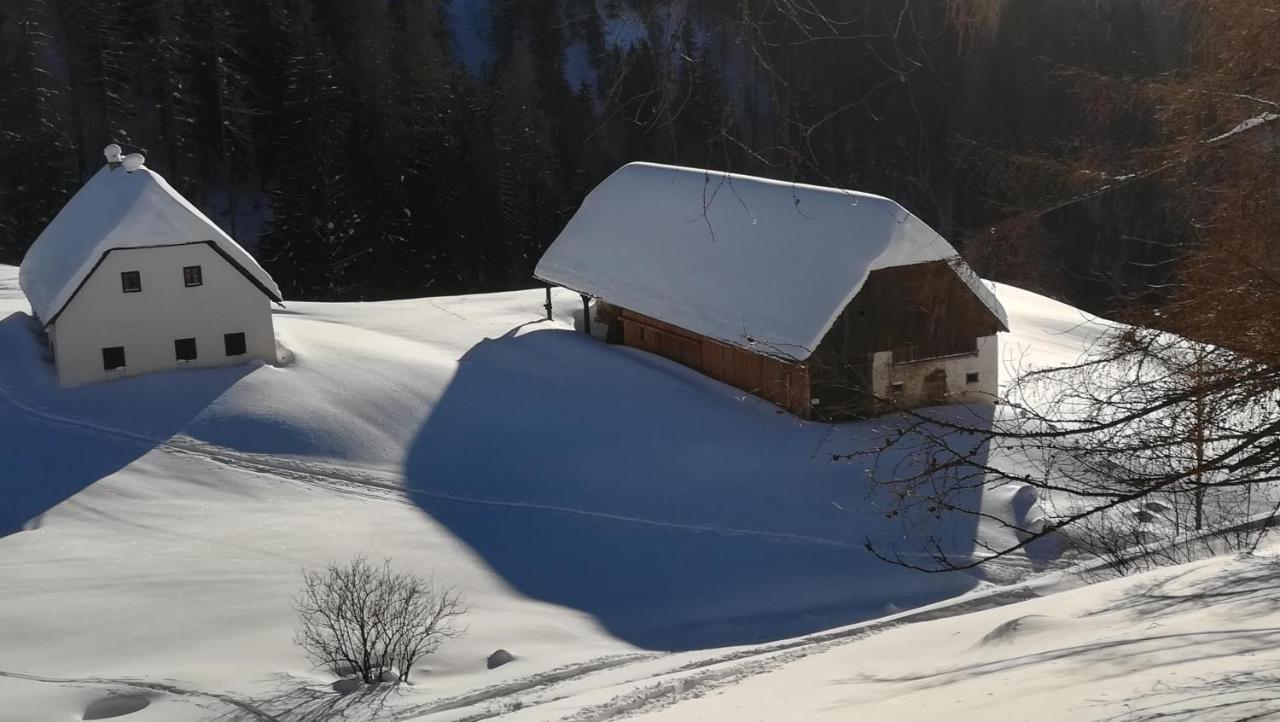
x,y
897,388
971,378
112,358
234,343
192,276
131,281
185,349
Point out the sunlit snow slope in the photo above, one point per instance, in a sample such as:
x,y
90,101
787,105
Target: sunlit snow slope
x,y
596,505
1190,644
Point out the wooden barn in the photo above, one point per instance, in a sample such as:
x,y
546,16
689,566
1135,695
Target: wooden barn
x,y
830,303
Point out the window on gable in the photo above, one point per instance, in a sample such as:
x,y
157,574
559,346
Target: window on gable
x,y
185,349
971,377
192,276
131,281
112,358
234,343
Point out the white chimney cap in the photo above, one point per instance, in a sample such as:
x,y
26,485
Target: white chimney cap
x,y
133,161
112,152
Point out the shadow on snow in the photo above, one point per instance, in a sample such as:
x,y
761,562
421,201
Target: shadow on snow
x,y
678,512
55,442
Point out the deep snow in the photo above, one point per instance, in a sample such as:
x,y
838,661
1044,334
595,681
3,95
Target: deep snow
x,y
592,502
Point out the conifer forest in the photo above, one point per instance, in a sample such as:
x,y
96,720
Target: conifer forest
x,y
397,148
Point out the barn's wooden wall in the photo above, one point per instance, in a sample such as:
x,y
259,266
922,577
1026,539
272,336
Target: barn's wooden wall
x,y
784,383
920,311
917,312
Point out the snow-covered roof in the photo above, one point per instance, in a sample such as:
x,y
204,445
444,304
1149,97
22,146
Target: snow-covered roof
x,y
752,262
119,209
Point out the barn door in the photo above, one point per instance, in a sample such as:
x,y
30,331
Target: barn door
x,y
935,387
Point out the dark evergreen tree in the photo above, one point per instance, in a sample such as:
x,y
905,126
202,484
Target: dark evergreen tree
x,y
370,164
34,153
312,247
102,74
428,90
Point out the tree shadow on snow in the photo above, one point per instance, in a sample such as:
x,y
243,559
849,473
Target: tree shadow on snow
x,y
1102,660
55,442
1248,587
678,512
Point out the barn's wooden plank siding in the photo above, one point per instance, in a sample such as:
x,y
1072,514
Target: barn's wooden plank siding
x,y
917,312
782,382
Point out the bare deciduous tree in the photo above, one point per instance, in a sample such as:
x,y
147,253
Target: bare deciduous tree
x,y
1163,443
365,619
1137,452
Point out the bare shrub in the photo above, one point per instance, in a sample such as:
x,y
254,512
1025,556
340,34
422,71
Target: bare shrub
x,y
369,620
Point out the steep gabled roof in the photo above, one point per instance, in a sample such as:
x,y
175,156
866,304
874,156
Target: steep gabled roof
x,y
119,209
752,262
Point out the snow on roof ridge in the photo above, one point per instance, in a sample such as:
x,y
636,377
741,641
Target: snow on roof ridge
x,y
116,209
753,262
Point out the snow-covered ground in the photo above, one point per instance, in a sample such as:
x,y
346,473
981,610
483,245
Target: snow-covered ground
x,y
620,523
1195,642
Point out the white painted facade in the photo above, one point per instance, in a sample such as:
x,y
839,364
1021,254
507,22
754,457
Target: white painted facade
x,y
905,383
148,322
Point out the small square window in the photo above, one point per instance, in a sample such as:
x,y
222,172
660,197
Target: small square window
x,y
971,377
234,343
897,388
192,276
131,281
112,358
185,349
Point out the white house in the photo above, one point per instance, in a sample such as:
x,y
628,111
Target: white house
x,y
131,278
830,303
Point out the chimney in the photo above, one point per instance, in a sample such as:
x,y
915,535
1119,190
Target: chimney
x,y
133,162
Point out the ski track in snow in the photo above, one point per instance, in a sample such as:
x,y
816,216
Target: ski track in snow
x,y
533,683
384,484
344,479
715,672
145,685
689,679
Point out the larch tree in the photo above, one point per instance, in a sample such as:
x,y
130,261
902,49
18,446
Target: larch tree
x,y
1163,441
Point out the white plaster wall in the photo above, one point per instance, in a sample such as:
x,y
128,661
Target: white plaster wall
x,y
147,323
986,363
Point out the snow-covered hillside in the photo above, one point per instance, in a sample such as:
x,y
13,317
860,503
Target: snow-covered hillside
x,y
1193,643
609,515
